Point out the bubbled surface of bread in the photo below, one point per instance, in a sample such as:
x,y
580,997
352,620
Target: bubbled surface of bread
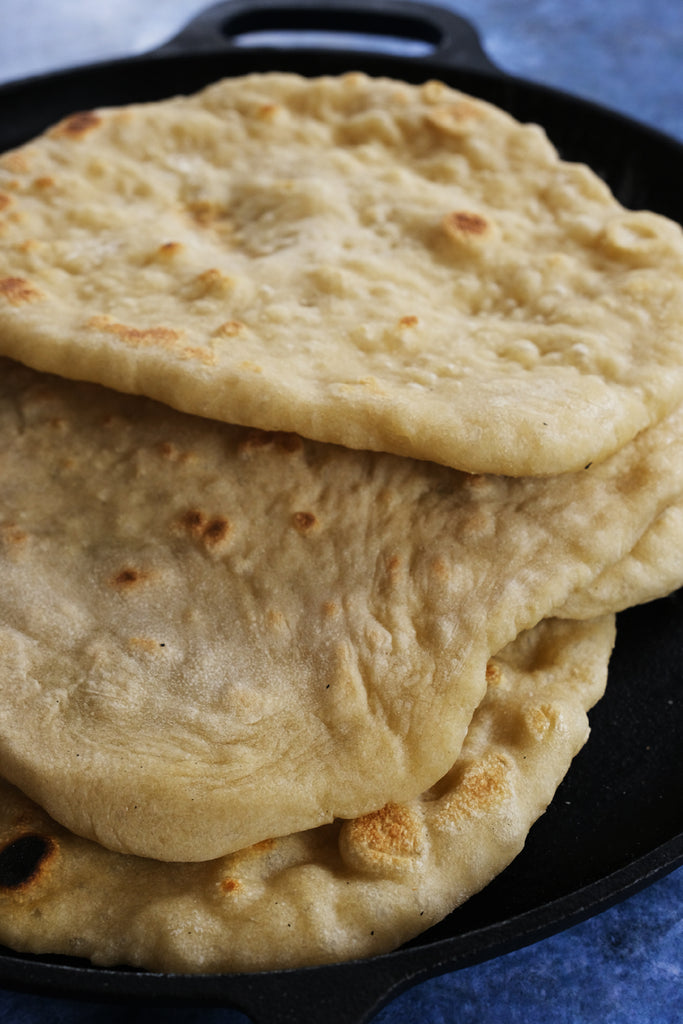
x,y
384,266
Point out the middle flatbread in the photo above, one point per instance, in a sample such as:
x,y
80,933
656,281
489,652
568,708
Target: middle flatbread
x,y
652,570
210,637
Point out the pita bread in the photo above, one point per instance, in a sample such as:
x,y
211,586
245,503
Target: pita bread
x,y
344,890
369,263
230,624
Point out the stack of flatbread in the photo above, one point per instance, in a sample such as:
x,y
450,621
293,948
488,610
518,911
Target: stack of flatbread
x,y
338,419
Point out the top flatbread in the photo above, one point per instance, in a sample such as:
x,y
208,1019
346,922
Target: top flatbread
x,y
361,261
211,636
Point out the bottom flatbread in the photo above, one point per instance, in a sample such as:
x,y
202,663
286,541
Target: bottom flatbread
x,y
345,890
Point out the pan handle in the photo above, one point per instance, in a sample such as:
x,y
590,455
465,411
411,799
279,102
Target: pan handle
x,y
452,39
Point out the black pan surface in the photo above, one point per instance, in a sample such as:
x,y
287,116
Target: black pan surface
x,y
617,821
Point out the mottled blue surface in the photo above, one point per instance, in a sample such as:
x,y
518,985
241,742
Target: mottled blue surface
x,y
628,54
624,966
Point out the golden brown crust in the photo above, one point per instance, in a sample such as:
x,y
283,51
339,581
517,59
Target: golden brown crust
x,y
17,290
78,125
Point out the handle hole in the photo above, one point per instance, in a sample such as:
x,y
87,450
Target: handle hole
x,y
364,31
359,41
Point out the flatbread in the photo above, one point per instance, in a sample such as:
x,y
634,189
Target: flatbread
x,y
340,891
369,263
652,570
211,636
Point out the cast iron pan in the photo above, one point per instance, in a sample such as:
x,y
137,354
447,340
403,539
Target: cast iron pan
x,y
617,821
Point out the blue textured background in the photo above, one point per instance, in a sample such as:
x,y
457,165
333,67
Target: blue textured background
x,y
626,965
